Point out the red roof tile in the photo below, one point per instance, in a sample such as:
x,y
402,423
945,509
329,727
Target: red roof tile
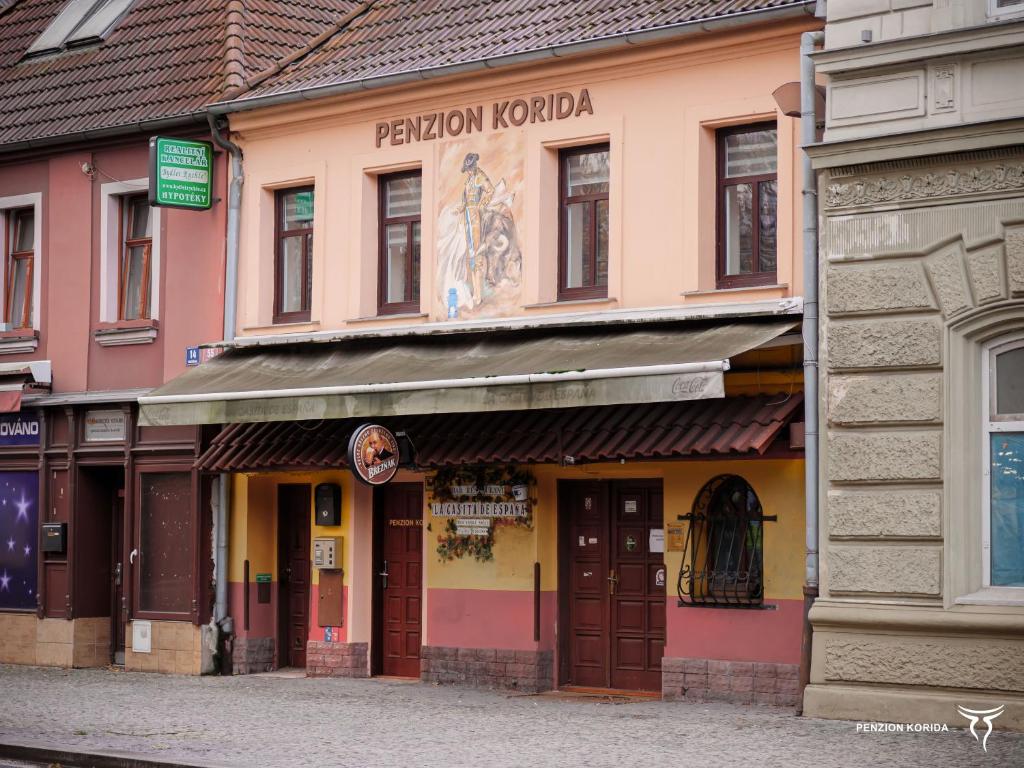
x,y
405,36
166,58
733,426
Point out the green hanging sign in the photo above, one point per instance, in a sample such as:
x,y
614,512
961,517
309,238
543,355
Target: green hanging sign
x,y
180,173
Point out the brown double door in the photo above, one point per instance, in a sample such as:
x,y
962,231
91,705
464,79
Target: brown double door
x,y
294,509
613,584
398,593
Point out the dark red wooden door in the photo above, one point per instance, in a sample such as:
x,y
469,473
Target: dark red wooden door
x,y
638,587
294,506
616,585
588,584
400,572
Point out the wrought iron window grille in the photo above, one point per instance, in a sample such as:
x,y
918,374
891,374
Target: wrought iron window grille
x,y
723,552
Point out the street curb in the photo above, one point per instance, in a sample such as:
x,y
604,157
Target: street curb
x,y
68,756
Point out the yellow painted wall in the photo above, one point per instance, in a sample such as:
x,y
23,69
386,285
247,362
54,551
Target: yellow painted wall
x,y
254,519
777,482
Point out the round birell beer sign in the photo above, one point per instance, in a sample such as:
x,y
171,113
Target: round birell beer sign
x,y
373,454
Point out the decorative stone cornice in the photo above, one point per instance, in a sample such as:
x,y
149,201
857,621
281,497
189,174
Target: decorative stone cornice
x,y
926,185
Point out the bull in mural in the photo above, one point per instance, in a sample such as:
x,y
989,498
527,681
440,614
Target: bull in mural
x,y
479,259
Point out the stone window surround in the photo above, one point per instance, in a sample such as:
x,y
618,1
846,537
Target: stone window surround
x,y
968,341
35,200
988,360
110,250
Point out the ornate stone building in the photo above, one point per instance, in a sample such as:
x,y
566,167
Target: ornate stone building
x,y
921,194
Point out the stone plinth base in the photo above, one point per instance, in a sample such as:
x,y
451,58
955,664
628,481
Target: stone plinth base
x,y
740,682
250,655
176,647
527,671
24,639
336,659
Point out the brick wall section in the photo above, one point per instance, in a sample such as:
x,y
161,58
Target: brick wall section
x,y
252,655
526,671
336,659
740,682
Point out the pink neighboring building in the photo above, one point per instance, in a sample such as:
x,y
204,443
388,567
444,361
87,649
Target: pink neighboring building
x,y
103,520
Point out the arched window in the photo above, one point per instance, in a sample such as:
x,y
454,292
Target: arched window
x,y
723,558
1003,521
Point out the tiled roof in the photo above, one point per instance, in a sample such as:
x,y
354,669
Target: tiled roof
x,y
166,58
731,426
404,36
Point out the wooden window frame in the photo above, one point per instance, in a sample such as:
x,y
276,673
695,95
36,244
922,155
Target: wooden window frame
x,y
303,315
11,257
412,303
756,277
564,201
125,244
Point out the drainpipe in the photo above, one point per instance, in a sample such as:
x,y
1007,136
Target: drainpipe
x,y
808,135
220,613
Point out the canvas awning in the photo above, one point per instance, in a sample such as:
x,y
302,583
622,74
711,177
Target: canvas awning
x,y
15,377
491,371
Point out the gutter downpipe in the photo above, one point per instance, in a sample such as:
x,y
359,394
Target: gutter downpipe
x,y
234,220
808,135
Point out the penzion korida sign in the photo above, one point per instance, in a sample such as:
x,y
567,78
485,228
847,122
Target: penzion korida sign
x,y
499,114
373,454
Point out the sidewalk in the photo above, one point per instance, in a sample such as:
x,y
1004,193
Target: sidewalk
x,y
279,721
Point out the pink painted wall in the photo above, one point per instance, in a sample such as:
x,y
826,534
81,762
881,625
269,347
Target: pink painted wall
x,y
489,618
316,632
190,283
262,616
770,636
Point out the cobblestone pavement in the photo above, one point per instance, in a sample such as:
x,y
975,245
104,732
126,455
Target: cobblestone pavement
x,y
279,721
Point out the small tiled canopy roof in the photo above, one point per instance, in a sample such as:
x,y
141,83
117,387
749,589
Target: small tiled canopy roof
x,y
407,36
164,59
731,426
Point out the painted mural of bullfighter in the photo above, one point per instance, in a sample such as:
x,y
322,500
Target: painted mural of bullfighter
x,y
478,245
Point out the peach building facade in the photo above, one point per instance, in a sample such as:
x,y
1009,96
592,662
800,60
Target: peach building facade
x,y
421,227
657,108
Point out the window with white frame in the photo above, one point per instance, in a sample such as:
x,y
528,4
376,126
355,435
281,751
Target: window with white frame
x,y
135,272
129,252
21,230
1003,420
19,237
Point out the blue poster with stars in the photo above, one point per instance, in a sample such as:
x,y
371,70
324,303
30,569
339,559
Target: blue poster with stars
x,y
19,524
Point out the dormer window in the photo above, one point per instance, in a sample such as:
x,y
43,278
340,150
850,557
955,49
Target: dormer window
x,y
80,23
